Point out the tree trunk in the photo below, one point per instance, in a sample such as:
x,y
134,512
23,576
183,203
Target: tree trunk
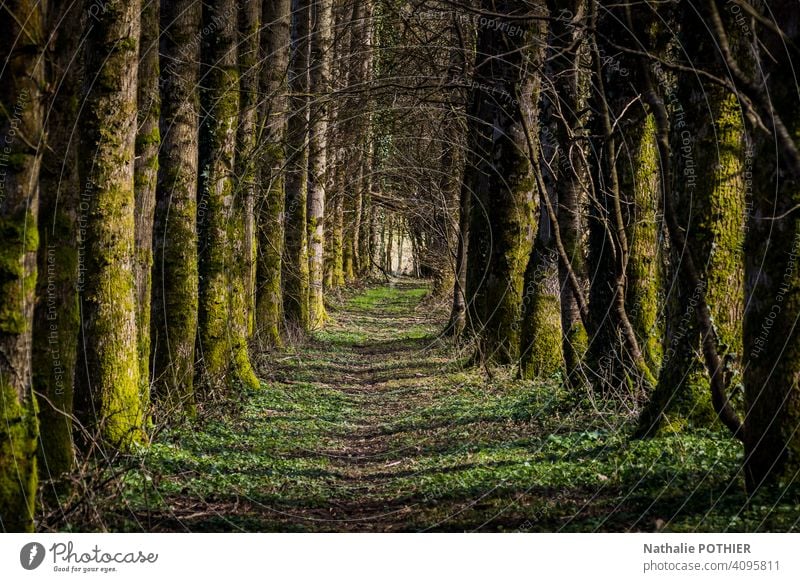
x,y
221,335
110,394
541,350
295,263
319,65
148,142
708,145
502,227
274,85
614,353
772,276
175,270
21,77
56,321
565,104
640,180
244,243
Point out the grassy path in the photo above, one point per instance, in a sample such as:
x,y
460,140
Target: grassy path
x,y
374,426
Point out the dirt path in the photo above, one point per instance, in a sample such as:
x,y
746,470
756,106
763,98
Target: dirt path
x,y
373,425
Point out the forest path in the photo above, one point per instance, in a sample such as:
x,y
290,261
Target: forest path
x,y
375,425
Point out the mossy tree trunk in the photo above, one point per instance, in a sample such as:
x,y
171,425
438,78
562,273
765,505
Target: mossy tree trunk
x,y
21,124
240,244
639,180
339,141
565,104
319,65
275,42
56,322
614,355
222,342
110,392
148,141
295,261
335,264
351,123
243,233
709,151
772,276
502,225
541,349
175,271
458,311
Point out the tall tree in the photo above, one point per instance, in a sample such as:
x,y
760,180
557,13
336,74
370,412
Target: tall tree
x,y
110,393
502,225
222,341
565,104
319,64
175,270
614,354
772,276
709,151
295,264
56,322
21,123
275,42
244,243
148,141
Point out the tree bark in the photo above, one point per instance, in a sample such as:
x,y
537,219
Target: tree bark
x,y
221,336
56,322
110,394
274,85
319,65
295,263
175,266
772,277
502,226
21,77
709,151
148,142
564,104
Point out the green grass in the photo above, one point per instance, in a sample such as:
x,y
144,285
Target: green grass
x,y
375,426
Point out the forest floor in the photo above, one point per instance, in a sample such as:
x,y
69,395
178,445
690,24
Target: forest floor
x,y
376,425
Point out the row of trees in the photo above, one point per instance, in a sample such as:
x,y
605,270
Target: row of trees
x,y
631,178
167,171
608,190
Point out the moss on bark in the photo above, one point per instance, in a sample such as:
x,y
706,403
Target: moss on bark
x,y
541,338
110,391
709,157
502,224
56,320
148,142
295,260
271,195
175,265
